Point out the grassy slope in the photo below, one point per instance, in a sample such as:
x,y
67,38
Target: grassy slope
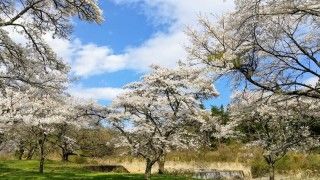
x,y
14,169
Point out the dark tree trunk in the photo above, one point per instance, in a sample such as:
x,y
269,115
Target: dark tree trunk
x,y
20,155
20,152
147,173
41,166
161,162
271,162
41,146
31,152
271,172
65,155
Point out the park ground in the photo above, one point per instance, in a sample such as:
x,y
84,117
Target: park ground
x,y
15,169
28,169
179,166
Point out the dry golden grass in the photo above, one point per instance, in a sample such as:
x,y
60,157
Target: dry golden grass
x,y
6,157
138,165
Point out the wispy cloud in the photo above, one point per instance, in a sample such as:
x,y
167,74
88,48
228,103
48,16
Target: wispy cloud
x,y
101,93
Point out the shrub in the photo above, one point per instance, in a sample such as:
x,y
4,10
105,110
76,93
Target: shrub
x,y
291,162
259,167
313,162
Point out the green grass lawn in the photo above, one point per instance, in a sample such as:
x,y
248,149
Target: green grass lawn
x,y
14,169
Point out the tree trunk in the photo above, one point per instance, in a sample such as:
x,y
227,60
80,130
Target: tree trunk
x,y
41,166
20,152
20,155
161,162
271,172
41,146
271,162
65,155
147,173
31,152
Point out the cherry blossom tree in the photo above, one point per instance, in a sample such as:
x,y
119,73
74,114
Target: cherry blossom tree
x,y
43,113
29,60
264,45
157,113
275,123
25,57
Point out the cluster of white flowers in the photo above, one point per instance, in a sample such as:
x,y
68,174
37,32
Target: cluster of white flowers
x,y
26,58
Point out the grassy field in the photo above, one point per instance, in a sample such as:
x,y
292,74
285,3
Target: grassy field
x,y
14,169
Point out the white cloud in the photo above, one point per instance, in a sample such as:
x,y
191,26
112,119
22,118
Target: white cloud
x,y
163,49
87,59
101,93
91,59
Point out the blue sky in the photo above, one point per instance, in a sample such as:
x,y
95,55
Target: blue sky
x,y
135,34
